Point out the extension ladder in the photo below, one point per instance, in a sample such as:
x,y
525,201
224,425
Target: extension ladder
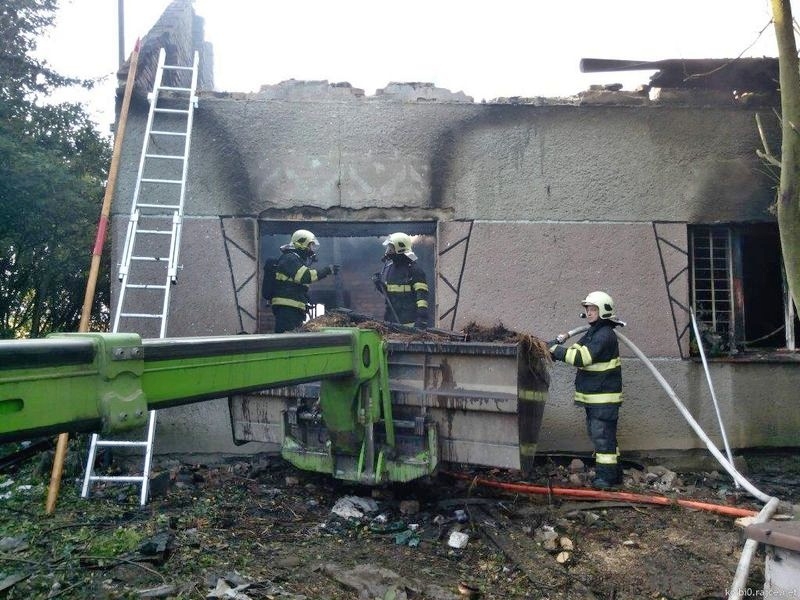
x,y
149,264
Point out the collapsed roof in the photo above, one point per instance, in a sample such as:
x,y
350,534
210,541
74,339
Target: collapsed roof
x,y
740,74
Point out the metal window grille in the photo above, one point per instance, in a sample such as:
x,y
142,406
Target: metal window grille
x,y
712,282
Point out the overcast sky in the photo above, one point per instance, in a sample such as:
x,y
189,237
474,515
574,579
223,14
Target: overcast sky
x,y
485,49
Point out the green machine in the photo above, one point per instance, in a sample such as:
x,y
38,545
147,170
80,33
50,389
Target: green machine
x,y
349,403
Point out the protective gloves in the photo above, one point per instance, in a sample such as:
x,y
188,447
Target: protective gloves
x,y
560,339
325,271
379,285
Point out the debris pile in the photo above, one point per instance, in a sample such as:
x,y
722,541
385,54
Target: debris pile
x,y
346,318
260,529
496,333
472,332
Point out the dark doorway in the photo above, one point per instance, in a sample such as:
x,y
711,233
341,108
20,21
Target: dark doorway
x,y
358,248
762,287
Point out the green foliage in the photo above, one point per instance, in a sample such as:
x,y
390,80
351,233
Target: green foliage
x,y
53,167
119,541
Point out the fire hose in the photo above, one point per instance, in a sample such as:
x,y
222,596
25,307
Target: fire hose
x,y
771,503
587,494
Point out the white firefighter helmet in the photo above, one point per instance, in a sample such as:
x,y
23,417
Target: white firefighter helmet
x,y
604,304
302,239
401,242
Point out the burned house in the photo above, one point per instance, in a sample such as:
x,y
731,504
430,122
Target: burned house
x,y
519,208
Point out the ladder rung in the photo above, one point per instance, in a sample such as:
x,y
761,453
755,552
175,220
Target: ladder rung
x,y
120,443
172,156
148,219
131,478
145,205
155,132
175,181
174,111
146,286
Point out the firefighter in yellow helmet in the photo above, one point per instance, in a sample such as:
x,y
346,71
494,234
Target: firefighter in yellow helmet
x,y
293,275
403,283
598,383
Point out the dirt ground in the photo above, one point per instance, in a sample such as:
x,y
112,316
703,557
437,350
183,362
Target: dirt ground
x,y
262,529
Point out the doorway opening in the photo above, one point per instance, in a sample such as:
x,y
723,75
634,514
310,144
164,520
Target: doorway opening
x,y
358,248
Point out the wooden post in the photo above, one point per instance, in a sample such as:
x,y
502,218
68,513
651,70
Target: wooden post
x,y
97,252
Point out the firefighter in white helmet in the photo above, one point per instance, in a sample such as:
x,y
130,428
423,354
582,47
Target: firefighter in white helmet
x,y
598,383
293,275
402,282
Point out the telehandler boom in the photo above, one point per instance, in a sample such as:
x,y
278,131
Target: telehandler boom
x,y
350,403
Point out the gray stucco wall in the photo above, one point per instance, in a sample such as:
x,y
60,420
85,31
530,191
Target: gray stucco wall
x,y
467,161
532,277
650,421
554,200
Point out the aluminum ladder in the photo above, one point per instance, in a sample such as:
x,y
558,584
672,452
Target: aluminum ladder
x,y
149,265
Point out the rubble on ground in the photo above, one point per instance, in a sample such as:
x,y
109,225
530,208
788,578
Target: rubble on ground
x,y
253,529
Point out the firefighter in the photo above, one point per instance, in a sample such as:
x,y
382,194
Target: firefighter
x,y
402,283
293,275
598,383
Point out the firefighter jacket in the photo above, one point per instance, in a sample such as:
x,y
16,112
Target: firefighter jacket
x,y
292,278
407,290
596,355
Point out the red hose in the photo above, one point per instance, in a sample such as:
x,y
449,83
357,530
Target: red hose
x,y
588,494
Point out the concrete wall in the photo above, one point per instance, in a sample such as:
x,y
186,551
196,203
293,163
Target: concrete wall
x,y
460,161
650,421
537,204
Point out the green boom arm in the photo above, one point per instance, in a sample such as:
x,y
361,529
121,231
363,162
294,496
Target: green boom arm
x,y
108,382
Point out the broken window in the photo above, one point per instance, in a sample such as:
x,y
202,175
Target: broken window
x,y
358,248
738,289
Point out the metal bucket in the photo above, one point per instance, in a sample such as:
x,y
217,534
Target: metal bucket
x,y
486,400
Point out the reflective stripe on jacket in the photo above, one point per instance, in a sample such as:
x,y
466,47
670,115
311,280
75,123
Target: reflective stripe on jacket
x,y
292,277
596,355
406,289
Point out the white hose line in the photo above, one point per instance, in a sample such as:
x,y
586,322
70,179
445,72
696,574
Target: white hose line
x,y
743,568
711,386
726,464
737,589
750,546
738,477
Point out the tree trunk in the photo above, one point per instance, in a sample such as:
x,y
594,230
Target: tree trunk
x,y
789,192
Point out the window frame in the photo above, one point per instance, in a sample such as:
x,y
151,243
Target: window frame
x,y
281,230
716,254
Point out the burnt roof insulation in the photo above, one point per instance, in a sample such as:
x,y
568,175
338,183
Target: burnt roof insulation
x,y
740,74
